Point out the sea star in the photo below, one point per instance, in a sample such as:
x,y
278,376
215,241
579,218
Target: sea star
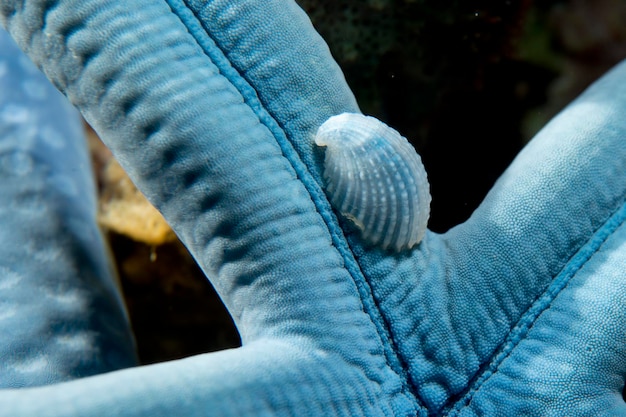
x,y
211,107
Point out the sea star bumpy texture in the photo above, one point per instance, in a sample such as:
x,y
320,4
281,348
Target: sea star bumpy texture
x,y
54,327
211,107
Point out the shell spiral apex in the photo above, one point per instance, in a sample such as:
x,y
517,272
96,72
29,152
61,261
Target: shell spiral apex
x,y
375,178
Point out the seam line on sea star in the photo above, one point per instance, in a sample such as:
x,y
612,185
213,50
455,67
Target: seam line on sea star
x,y
197,30
541,304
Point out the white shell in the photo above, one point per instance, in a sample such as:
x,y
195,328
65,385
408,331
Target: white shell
x,y
375,178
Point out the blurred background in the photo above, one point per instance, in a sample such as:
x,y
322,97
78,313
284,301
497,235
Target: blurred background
x,y
467,82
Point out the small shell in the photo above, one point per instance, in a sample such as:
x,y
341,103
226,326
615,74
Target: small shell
x,y
375,178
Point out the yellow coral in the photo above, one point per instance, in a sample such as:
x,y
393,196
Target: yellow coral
x,y
124,210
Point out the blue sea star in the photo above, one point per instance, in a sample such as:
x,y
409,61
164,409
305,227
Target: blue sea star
x,y
211,107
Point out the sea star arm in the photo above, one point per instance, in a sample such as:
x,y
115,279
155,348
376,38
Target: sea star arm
x,y
61,316
527,280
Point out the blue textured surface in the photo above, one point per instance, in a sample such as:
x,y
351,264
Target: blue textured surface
x,y
60,314
211,107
